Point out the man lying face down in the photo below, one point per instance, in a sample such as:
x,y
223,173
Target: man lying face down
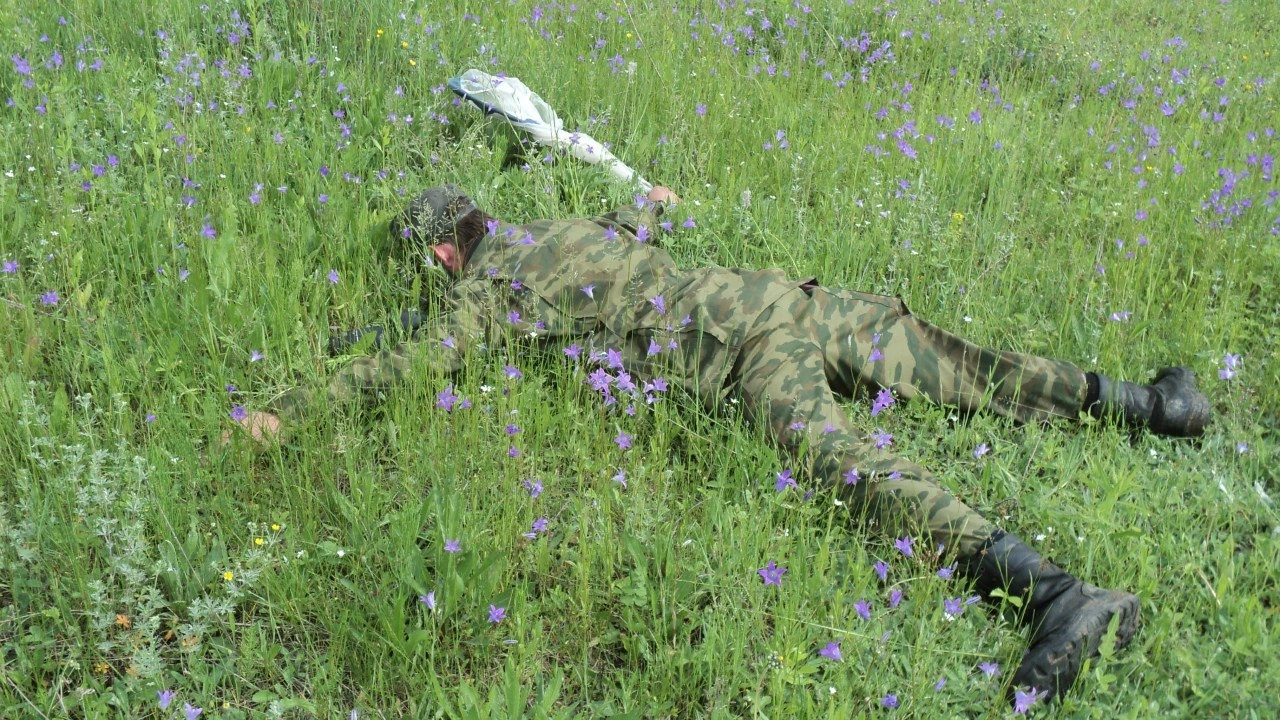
x,y
788,350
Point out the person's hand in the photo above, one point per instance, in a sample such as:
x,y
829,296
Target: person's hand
x,y
663,195
263,427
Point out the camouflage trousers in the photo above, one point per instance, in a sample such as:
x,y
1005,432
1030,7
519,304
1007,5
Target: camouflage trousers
x,y
922,359
807,349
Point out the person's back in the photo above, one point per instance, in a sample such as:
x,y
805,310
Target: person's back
x,y
603,277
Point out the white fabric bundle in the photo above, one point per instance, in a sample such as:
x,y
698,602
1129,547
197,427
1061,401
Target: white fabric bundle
x,y
512,99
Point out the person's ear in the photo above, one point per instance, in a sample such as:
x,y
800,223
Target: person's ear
x,y
447,254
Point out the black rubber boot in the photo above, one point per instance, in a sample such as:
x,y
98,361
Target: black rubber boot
x,y
1068,617
1169,406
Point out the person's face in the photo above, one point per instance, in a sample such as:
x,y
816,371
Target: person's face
x,y
448,256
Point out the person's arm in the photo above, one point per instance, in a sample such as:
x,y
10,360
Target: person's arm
x,y
362,379
442,346
410,321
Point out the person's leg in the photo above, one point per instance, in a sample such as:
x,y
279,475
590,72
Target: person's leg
x,y
874,340
780,376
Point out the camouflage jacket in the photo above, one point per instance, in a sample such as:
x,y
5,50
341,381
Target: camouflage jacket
x,y
601,282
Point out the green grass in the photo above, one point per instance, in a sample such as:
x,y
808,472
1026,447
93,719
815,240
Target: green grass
x,y
139,556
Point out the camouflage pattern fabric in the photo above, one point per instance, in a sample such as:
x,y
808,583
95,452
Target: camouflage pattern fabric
x,y
786,347
602,281
781,375
916,358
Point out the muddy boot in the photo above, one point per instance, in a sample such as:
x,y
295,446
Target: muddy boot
x,y
1169,406
1067,617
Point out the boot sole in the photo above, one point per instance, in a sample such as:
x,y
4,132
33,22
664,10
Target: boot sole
x,y
1056,672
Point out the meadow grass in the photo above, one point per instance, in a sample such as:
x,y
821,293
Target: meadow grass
x,y
195,194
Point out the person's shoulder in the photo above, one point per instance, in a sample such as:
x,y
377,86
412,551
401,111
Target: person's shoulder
x,y
561,222
563,230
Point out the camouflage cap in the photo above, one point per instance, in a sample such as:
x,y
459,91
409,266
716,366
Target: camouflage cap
x,y
431,216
